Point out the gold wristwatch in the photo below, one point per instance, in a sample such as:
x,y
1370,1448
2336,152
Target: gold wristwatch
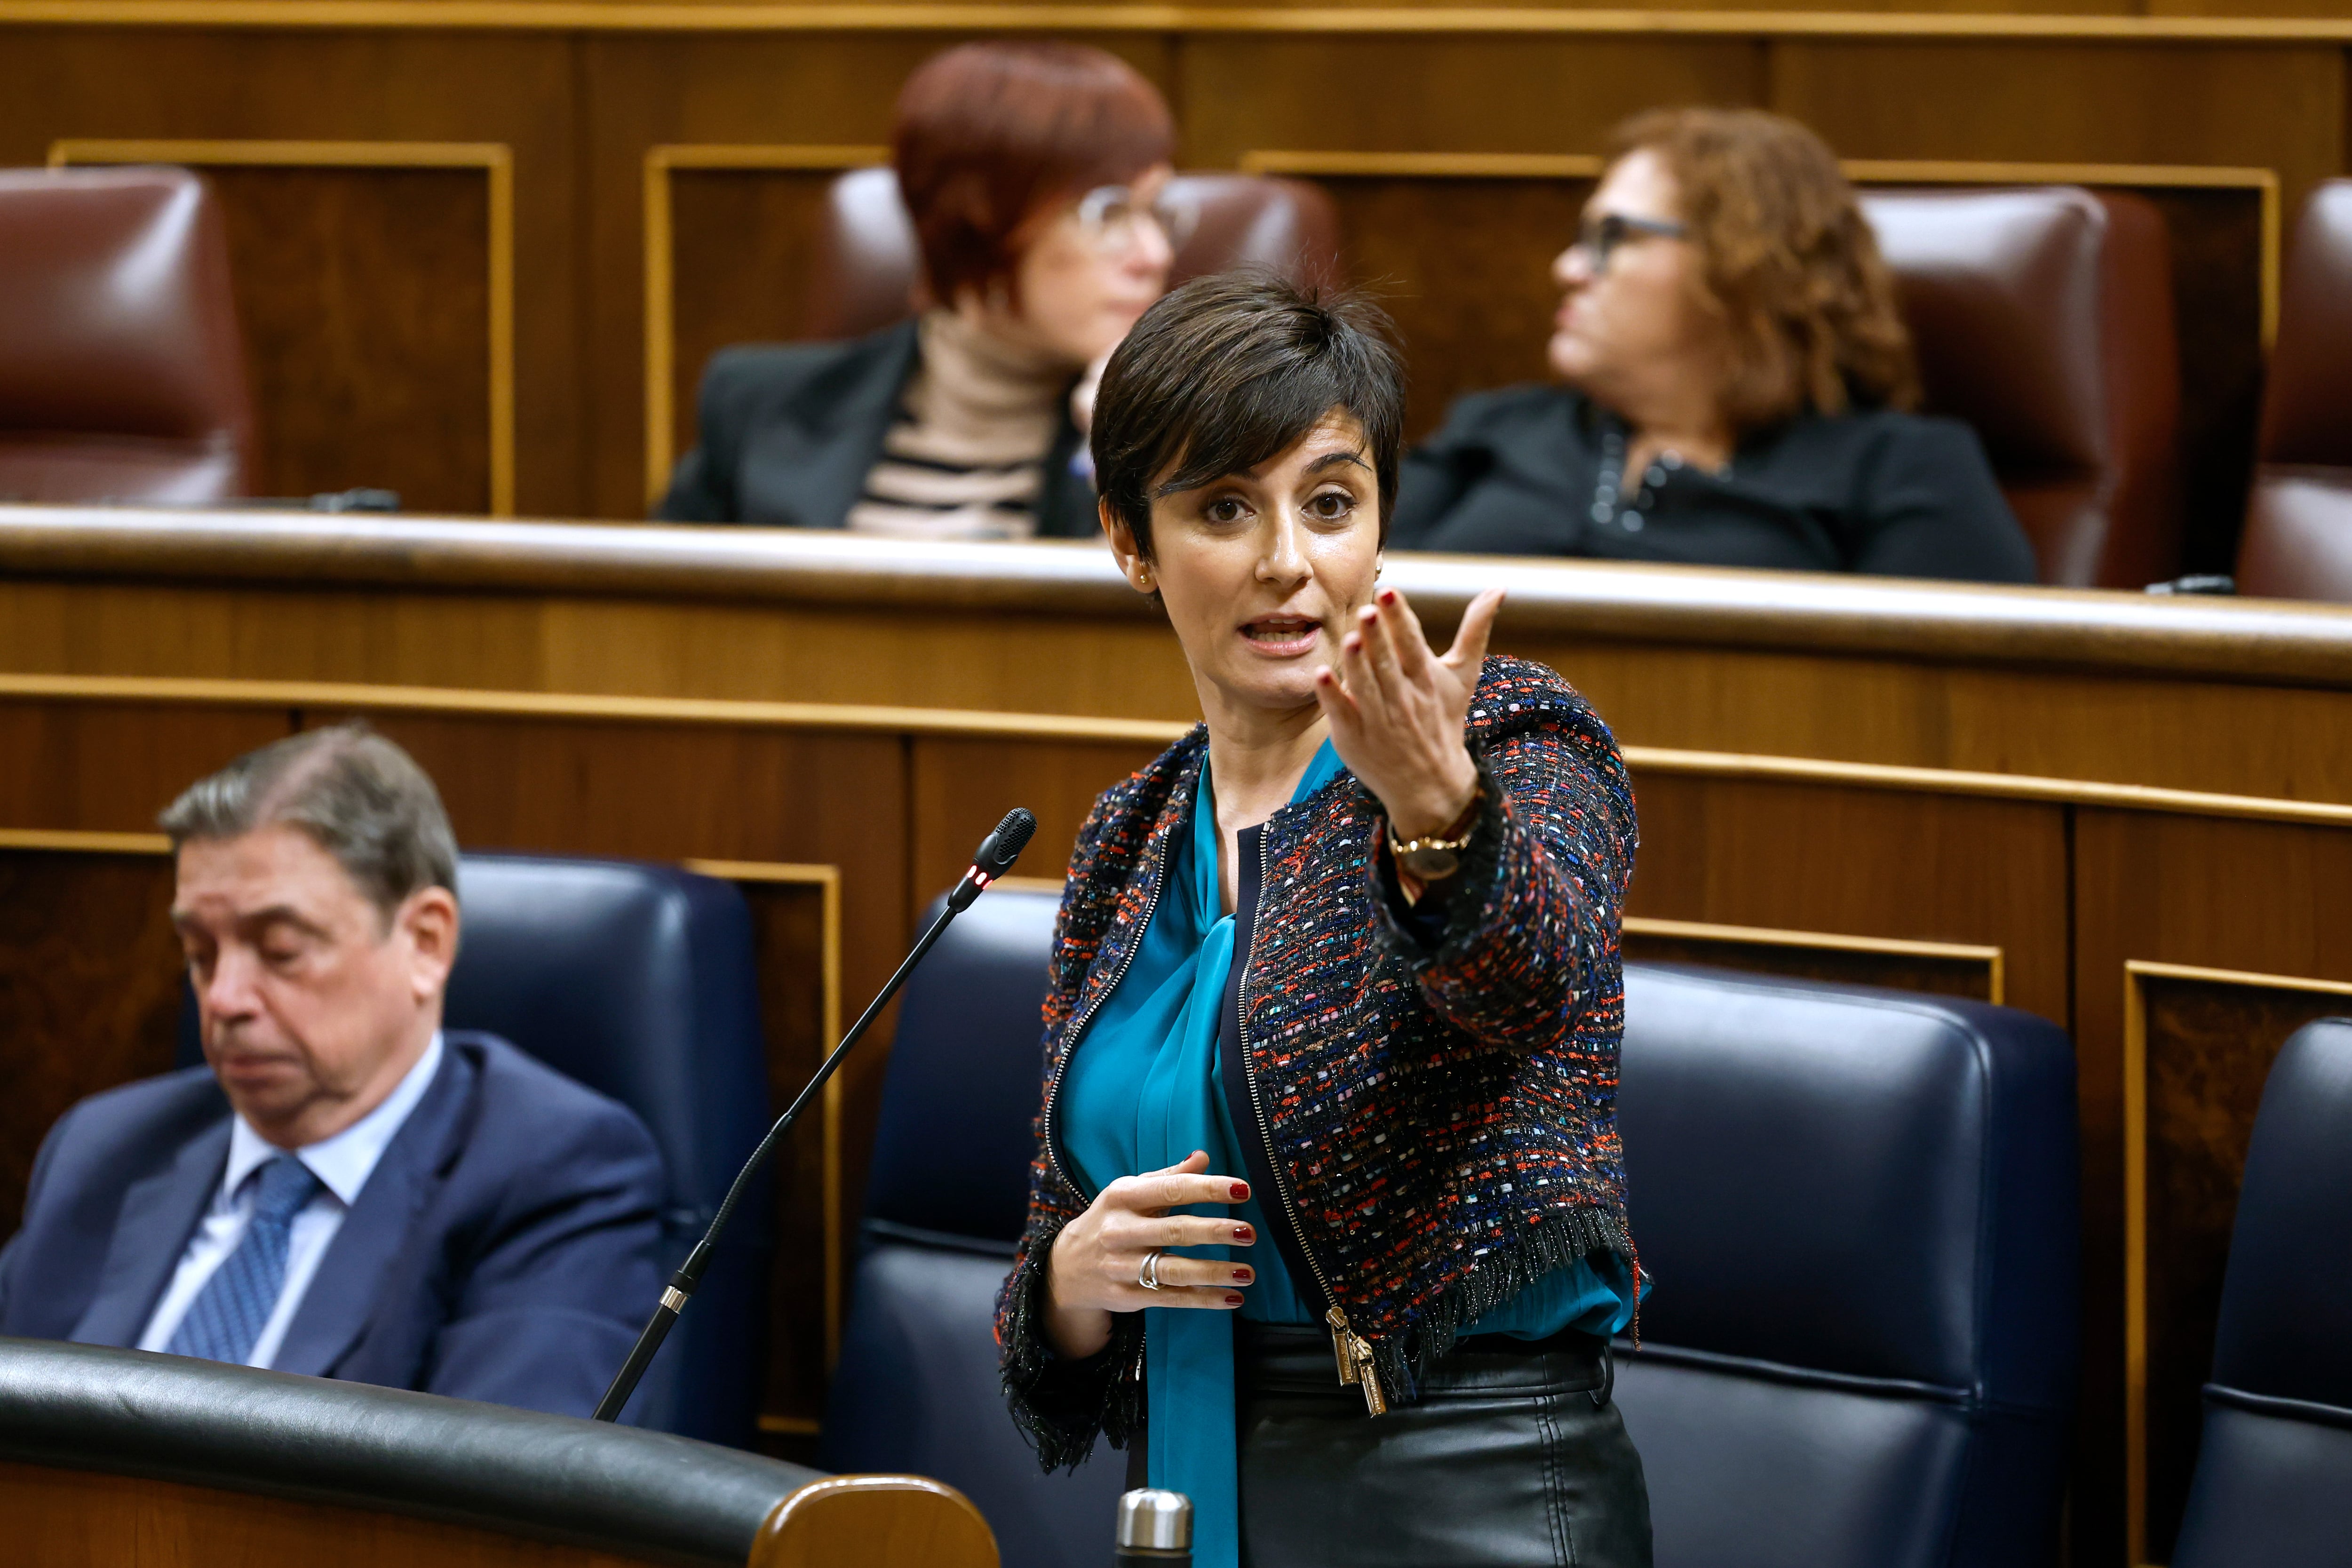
x,y
1439,856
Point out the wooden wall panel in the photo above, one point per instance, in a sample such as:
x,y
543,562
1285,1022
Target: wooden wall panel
x,y
364,296
383,275
78,768
83,1518
90,991
2241,106
963,788
741,244
806,1268
1439,94
1835,862
2215,894
2201,1047
1838,959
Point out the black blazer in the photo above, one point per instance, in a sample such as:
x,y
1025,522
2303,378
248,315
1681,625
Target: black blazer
x,y
788,432
503,1249
1516,472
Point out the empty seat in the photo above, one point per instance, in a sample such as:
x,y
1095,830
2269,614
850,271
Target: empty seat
x,y
639,980
2043,317
863,276
2298,538
915,1388
2274,1462
1861,1211
122,376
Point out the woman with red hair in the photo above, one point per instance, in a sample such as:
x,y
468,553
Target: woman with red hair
x,y
1034,174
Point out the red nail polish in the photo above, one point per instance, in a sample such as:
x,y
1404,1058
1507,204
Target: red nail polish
x,y
1387,595
1241,1192
1243,1276
1233,1300
1243,1233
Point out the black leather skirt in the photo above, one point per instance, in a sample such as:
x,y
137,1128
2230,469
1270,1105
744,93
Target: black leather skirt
x,y
1514,1454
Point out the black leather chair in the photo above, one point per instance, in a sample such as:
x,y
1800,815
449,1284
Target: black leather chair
x,y
2273,1482
915,1388
638,981
1861,1210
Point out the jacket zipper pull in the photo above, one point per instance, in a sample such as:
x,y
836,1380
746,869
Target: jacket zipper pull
x,y
1343,1345
1355,1358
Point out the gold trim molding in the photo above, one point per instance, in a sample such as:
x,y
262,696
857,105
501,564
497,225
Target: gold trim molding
x,y
705,16
876,718
1829,941
2263,184
2135,973
494,160
827,879
661,267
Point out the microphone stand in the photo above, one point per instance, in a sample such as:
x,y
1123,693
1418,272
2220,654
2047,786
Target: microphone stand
x,y
993,858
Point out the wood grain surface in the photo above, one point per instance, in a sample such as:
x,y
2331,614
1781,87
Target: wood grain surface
x,y
80,1519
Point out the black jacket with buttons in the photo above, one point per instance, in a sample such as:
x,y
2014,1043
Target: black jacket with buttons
x,y
1520,472
788,432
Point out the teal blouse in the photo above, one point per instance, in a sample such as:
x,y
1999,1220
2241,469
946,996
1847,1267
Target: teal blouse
x,y
1141,1093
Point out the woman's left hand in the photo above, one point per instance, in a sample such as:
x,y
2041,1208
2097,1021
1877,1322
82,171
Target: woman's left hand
x,y
1397,708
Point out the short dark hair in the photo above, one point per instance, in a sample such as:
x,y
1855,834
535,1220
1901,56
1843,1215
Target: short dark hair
x,y
990,135
360,797
1232,371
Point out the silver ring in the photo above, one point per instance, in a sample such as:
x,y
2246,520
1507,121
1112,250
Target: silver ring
x,y
1149,1274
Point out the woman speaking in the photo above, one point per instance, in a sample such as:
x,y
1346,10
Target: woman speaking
x,y
1328,1211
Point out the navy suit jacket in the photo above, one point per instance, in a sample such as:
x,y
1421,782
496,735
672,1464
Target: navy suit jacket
x,y
502,1250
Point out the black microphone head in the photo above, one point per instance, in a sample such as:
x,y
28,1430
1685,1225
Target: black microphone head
x,y
1000,848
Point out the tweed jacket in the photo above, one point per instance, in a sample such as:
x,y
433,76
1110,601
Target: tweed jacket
x,y
1442,1117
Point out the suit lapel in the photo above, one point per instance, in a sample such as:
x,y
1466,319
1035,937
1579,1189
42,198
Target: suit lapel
x,y
809,467
150,1236
347,1289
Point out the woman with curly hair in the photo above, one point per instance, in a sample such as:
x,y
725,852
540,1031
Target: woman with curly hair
x,y
1735,384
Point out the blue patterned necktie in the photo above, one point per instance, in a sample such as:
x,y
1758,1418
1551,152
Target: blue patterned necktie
x,y
229,1311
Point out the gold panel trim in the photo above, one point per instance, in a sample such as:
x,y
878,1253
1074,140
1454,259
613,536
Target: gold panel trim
x,y
2263,182
661,267
2136,972
495,159
80,843
701,16
828,878
1829,942
878,718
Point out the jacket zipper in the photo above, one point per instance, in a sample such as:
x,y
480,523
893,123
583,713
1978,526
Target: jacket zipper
x,y
1077,1032
1348,1347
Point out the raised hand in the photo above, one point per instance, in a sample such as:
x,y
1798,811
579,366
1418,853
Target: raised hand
x,y
1396,710
1097,1260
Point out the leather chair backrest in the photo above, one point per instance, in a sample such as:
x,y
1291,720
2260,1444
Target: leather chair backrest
x,y
1861,1209
867,264
2043,317
916,1387
121,375
639,980
2274,1464
2299,538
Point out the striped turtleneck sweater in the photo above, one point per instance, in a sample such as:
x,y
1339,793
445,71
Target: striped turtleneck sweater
x,y
965,456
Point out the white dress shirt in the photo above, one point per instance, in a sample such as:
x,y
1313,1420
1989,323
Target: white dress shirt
x,y
342,1164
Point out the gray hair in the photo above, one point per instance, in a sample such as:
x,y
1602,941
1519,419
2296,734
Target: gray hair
x,y
358,797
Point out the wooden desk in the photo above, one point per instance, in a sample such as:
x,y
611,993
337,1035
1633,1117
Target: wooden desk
x,y
2129,814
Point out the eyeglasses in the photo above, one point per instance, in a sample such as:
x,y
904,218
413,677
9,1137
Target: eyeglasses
x,y
1112,217
1599,237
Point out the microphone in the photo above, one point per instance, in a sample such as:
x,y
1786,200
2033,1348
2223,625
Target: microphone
x,y
990,860
994,858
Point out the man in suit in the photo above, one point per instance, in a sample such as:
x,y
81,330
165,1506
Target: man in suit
x,y
342,1189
